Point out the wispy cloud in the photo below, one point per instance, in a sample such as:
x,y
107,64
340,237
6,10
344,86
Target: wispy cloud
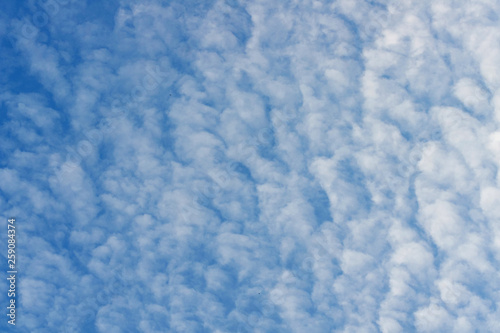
x,y
228,166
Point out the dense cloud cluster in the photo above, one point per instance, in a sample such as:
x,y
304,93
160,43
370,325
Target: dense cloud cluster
x,y
253,166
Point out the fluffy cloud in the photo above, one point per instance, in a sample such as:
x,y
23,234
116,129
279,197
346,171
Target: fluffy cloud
x,y
228,166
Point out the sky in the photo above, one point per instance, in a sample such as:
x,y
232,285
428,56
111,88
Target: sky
x,y
251,166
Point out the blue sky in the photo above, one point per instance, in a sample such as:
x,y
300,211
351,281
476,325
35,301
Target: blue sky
x,y
252,166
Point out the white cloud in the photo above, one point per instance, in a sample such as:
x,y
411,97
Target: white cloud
x,y
259,166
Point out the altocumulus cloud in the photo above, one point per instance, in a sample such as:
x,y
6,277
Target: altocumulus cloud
x,y
252,166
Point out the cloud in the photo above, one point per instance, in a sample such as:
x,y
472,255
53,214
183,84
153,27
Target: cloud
x,y
228,166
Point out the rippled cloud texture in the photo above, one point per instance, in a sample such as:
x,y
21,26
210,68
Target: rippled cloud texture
x,y
252,166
